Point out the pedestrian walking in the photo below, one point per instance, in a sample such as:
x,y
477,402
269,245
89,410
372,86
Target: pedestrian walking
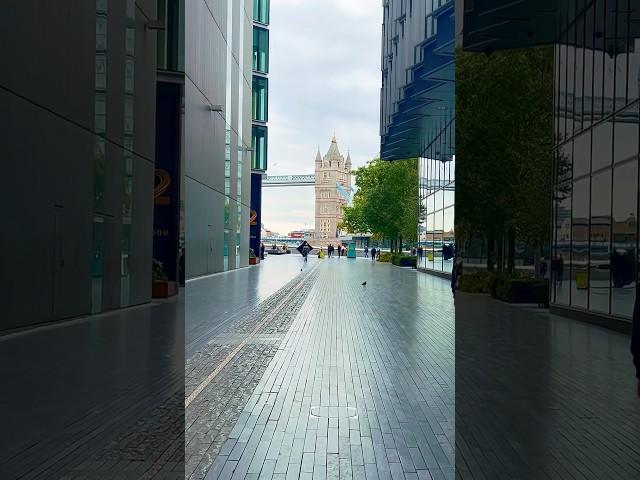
x,y
544,268
456,273
635,340
262,251
373,254
454,279
181,265
305,252
339,250
366,252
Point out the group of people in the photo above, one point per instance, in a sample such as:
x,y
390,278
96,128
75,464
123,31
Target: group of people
x,y
375,253
342,250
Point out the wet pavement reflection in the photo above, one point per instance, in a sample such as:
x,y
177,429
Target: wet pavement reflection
x,y
354,380
95,396
542,397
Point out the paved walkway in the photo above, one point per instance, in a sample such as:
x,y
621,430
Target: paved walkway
x,y
542,397
333,380
97,397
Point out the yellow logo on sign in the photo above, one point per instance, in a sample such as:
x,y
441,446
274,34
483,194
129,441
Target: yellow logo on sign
x,y
163,180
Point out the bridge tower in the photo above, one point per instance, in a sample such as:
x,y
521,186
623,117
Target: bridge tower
x,y
330,170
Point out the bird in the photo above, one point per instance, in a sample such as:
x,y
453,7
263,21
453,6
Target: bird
x,y
300,269
364,284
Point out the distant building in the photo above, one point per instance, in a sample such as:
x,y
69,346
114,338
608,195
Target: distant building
x,y
332,173
417,111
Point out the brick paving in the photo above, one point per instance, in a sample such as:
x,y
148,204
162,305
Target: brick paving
x,y
101,399
359,386
211,416
542,397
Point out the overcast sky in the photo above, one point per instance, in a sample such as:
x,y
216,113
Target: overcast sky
x,y
324,76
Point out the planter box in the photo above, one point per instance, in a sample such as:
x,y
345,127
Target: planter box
x,y
405,261
162,289
253,260
521,290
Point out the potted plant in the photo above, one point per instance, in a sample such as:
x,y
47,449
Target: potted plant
x,y
253,260
162,287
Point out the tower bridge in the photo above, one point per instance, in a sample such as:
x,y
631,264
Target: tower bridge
x,y
307,180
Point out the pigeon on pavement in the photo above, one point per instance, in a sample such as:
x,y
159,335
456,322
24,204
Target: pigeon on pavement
x,y
364,284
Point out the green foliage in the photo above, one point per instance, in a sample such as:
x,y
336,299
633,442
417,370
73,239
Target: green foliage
x,y
521,290
387,201
477,282
504,120
498,278
403,260
159,273
385,257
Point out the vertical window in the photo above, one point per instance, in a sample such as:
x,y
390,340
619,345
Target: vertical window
x,y
562,93
579,81
562,234
260,98
259,146
570,92
625,145
602,145
623,257
587,101
599,254
582,154
261,11
598,58
261,49
580,244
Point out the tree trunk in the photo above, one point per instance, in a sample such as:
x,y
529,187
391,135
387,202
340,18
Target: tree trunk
x,y
500,255
511,254
536,259
490,254
400,242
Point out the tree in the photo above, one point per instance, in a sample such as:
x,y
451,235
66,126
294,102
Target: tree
x,y
386,203
503,147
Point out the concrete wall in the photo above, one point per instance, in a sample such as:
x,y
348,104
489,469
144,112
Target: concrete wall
x,y
47,139
218,72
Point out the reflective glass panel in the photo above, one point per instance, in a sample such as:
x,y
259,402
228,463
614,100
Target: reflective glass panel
x,y
623,256
600,242
580,244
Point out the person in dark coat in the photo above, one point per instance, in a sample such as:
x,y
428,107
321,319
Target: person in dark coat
x,y
454,278
635,340
181,267
373,253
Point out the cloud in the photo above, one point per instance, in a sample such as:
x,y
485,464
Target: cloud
x,y
324,76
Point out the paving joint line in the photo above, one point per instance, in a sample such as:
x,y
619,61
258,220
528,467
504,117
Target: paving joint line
x,y
275,310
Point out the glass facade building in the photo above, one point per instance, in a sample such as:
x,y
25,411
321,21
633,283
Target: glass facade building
x,y
260,115
218,136
595,200
260,85
79,148
417,117
594,231
437,197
